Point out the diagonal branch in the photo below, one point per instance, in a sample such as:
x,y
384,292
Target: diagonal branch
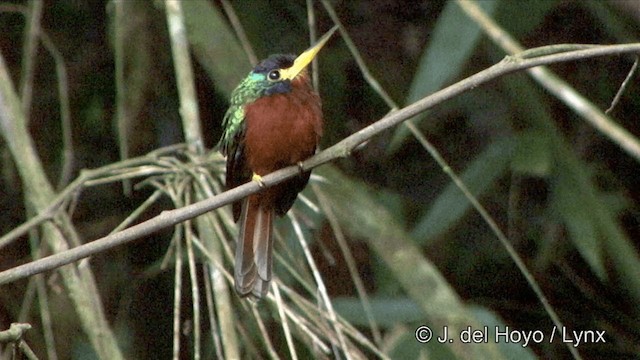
x,y
184,76
38,192
342,149
553,83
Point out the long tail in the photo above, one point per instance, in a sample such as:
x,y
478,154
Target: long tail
x,y
254,249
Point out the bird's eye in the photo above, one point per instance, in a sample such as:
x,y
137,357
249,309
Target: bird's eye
x,y
274,75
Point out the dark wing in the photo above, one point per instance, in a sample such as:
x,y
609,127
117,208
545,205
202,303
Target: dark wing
x,y
237,170
288,192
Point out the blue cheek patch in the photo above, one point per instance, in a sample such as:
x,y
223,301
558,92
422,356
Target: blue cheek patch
x,y
280,87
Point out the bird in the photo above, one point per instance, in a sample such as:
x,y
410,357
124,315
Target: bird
x,y
274,120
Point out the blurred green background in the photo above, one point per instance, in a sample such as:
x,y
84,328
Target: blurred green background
x,y
566,196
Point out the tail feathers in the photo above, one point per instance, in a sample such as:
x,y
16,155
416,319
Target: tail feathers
x,y
254,249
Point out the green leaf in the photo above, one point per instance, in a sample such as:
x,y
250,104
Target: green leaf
x,y
387,311
533,154
132,50
451,205
593,226
355,205
523,16
510,350
574,210
215,45
452,43
405,346
390,312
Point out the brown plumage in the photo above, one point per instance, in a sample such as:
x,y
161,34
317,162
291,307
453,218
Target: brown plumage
x,y
281,130
274,120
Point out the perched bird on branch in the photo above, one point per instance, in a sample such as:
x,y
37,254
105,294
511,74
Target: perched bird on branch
x,y
274,120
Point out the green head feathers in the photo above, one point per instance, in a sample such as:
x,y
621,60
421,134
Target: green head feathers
x,y
271,76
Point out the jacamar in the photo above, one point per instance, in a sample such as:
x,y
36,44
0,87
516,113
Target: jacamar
x,y
274,120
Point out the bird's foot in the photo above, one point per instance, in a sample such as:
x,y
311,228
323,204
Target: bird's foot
x,y
301,169
257,178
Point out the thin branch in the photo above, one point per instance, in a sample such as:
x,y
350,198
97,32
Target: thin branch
x,y
322,289
213,321
184,76
239,29
343,148
26,350
177,295
285,324
263,332
313,35
513,254
122,116
211,233
29,57
553,83
189,238
195,291
38,192
351,265
371,80
34,32
14,333
43,300
624,85
302,324
123,170
65,111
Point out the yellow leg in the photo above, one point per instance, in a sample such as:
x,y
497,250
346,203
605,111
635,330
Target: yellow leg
x,y
257,178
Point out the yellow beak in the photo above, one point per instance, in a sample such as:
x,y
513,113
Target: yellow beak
x,y
306,57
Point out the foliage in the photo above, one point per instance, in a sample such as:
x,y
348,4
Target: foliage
x,y
380,243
